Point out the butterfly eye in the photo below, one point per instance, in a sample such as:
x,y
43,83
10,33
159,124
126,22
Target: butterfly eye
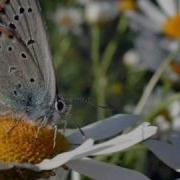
x,y
60,105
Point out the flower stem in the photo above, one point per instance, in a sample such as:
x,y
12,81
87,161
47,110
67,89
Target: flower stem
x,y
101,64
95,47
99,86
113,45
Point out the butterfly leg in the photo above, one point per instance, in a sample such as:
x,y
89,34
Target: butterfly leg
x,y
17,121
64,126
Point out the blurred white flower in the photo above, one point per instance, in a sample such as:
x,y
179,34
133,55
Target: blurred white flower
x,y
148,52
85,2
149,48
168,152
172,73
69,19
100,12
104,11
170,119
158,34
94,144
163,18
166,119
122,5
131,58
174,110
162,124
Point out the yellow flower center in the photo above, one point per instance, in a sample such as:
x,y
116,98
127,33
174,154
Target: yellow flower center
x,y
22,141
127,5
172,27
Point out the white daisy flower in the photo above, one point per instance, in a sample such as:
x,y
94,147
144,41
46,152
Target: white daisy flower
x,y
69,19
163,18
168,152
23,148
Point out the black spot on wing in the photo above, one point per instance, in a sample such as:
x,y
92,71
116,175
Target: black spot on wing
x,y
23,55
12,26
21,10
31,41
16,17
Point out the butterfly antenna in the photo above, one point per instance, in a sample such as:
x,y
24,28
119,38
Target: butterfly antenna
x,y
68,114
79,128
106,107
93,104
55,136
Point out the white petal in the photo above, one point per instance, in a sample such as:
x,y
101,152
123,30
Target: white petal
x,y
88,148
104,129
168,6
122,142
25,166
102,171
151,11
61,174
169,45
143,22
167,153
175,139
61,159
5,166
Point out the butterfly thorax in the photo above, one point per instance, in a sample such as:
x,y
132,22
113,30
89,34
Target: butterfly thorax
x,y
34,107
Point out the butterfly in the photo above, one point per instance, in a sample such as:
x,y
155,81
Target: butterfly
x,y
27,78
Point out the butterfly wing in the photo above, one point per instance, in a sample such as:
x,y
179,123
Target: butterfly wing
x,y
21,19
